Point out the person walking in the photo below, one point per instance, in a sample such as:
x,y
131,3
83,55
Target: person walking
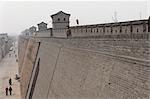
x,y
10,82
10,90
6,90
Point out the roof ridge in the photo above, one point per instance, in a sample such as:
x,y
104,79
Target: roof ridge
x,y
59,12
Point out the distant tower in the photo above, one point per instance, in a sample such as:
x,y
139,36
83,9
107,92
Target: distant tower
x,y
32,30
60,24
42,26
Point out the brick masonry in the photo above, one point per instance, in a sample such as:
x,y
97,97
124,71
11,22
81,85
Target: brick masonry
x,y
70,70
27,58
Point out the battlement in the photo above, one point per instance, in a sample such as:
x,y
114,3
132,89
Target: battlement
x,y
137,29
134,29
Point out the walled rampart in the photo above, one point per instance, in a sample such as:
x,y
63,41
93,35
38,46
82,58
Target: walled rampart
x,y
84,68
99,61
43,33
137,29
67,71
28,49
129,48
22,45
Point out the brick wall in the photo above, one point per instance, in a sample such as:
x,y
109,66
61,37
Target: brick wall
x,y
67,71
27,55
119,30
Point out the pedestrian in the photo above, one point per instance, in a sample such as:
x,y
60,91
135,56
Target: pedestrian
x,y
10,90
10,82
6,90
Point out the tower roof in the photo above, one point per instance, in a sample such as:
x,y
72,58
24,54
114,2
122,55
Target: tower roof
x,y
41,23
60,13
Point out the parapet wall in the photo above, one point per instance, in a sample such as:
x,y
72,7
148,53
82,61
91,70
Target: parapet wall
x,y
43,33
67,72
137,29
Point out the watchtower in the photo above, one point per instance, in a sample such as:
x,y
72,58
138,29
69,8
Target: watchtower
x,y
60,24
42,26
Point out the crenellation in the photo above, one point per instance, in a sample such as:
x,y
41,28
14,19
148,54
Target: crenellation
x,y
112,30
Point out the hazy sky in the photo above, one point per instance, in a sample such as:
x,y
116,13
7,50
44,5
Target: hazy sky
x,y
16,16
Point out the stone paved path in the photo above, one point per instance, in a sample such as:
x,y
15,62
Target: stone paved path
x,y
9,68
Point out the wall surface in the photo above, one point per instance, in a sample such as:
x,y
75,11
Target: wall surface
x,y
137,29
27,62
44,33
59,33
22,45
71,72
129,48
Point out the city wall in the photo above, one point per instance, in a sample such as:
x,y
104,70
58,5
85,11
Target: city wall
x,y
86,68
137,29
129,48
28,49
22,45
44,33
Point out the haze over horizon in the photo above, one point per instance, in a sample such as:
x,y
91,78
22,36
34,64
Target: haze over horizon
x,y
17,16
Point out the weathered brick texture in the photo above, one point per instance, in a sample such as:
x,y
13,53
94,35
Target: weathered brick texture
x,y
68,71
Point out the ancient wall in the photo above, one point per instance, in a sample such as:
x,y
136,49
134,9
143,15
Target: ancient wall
x,y
120,30
44,33
106,61
46,71
22,45
59,33
27,54
69,72
129,48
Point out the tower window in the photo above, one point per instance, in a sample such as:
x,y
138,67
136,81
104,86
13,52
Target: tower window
x,y
64,19
58,19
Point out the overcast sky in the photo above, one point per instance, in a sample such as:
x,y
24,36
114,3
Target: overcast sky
x,y
16,16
